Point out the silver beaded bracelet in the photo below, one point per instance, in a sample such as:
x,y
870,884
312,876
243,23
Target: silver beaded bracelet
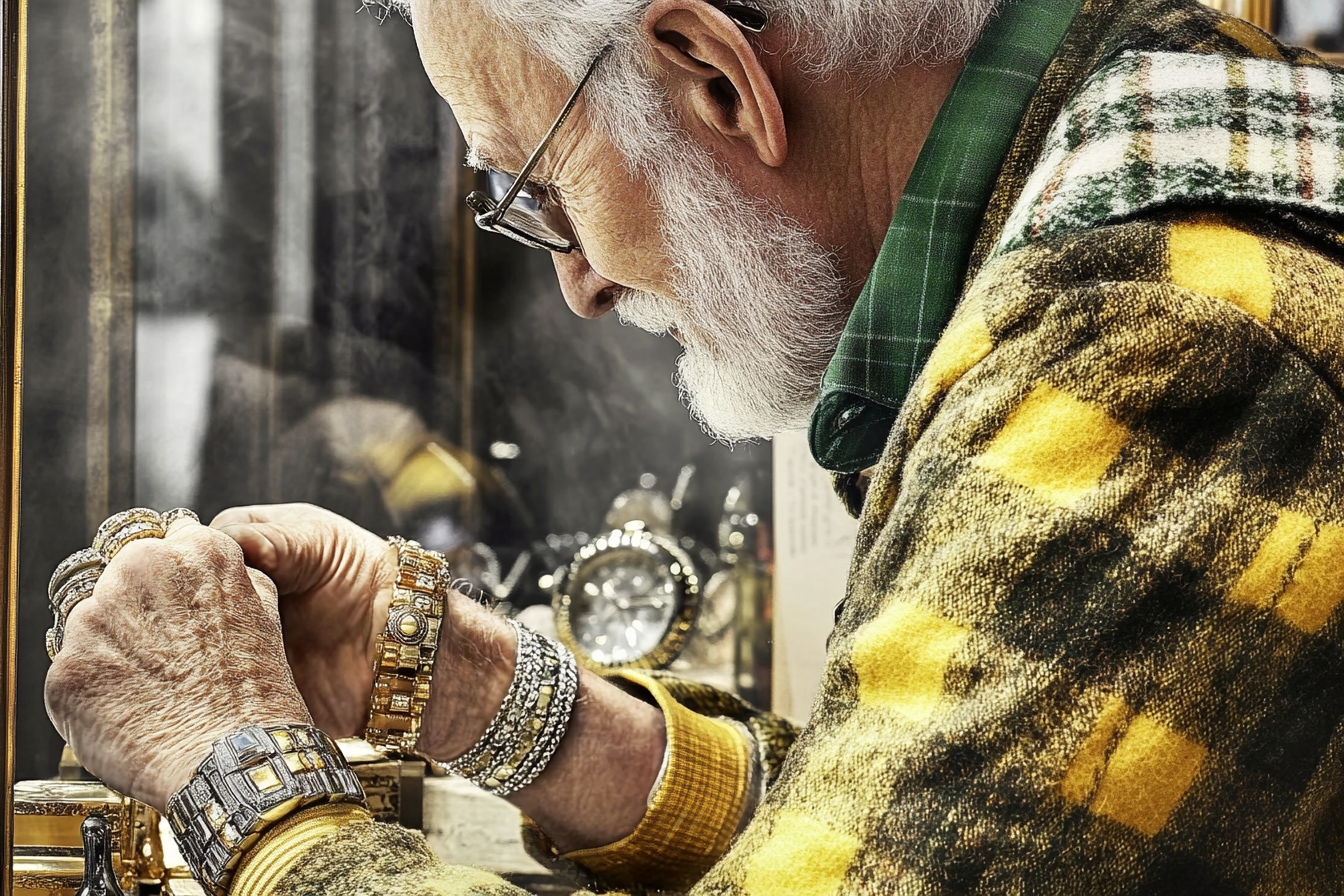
x,y
524,734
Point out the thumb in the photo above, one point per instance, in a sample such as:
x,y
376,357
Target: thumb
x,y
265,589
286,554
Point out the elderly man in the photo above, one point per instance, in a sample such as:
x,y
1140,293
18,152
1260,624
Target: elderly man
x,y
1056,287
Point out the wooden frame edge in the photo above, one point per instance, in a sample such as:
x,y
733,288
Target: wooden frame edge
x,y
13,89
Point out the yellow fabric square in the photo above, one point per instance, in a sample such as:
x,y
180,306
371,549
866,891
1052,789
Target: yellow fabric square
x,y
1264,578
1211,258
1250,37
1056,445
1147,776
803,857
1317,587
963,345
901,657
1080,781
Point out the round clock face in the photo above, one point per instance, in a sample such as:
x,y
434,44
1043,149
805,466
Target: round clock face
x,y
628,599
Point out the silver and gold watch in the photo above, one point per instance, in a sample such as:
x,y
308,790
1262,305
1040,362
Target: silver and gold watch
x,y
629,599
253,778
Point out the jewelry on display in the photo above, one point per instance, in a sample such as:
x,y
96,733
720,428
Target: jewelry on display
x,y
628,600
524,734
178,513
404,666
252,779
72,582
120,529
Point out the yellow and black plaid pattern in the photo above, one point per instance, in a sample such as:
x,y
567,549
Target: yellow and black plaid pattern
x,y
1108,656
1091,642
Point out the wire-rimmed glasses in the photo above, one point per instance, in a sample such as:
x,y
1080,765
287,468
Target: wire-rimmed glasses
x,y
525,212
531,213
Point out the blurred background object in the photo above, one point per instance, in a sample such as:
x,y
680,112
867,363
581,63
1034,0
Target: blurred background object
x,y
1260,13
252,279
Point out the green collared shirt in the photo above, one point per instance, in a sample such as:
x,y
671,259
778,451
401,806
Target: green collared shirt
x,y
919,272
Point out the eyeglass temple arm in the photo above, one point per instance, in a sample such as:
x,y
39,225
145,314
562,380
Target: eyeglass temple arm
x,y
521,179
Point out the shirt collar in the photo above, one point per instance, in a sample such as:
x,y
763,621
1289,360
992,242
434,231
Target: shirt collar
x,y
913,288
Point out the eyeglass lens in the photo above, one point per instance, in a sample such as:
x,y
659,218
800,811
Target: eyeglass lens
x,y
538,217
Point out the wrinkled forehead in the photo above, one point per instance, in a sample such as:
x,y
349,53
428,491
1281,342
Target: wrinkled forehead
x,y
503,94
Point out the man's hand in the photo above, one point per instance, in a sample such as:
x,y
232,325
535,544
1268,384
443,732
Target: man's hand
x,y
178,645
335,581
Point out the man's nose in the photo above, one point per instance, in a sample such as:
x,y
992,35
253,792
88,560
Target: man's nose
x,y
587,292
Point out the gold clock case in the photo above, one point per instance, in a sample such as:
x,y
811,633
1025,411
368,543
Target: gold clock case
x,y
648,545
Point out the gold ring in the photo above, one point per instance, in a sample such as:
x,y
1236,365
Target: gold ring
x,y
73,591
72,594
178,513
78,562
120,529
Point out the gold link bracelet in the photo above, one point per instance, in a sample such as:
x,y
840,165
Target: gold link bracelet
x,y
404,664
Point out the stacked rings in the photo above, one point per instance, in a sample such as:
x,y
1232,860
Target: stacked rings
x,y
120,529
76,576
176,514
72,582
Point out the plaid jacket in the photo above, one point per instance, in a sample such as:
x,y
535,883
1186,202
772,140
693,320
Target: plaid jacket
x,y
1090,641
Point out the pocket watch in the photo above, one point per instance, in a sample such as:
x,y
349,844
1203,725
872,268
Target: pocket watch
x,y
628,599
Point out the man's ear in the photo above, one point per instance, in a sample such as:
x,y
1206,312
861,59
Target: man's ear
x,y
729,90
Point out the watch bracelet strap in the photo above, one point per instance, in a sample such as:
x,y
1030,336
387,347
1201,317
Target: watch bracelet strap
x,y
408,647
253,778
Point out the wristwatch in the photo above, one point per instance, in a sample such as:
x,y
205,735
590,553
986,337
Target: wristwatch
x,y
628,599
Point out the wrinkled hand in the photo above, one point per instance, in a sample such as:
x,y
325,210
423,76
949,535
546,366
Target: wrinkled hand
x,y
179,644
335,581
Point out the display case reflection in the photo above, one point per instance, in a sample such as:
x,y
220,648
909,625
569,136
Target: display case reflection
x,y
254,281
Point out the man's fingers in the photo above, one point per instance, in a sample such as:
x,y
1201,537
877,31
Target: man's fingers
x,y
297,556
235,515
258,544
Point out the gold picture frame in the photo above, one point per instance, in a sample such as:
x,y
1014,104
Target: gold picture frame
x,y
13,70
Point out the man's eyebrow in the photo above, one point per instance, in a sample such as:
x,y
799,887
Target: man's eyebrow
x,y
478,158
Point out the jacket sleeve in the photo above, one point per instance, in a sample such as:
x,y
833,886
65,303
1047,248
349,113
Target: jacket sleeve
x,y
1091,641
720,750
722,755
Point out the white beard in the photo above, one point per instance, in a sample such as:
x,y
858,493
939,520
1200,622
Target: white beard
x,y
759,303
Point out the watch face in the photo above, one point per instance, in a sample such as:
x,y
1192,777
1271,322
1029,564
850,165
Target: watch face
x,y
629,599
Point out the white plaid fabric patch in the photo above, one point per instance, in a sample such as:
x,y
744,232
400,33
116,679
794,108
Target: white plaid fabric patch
x,y
1160,129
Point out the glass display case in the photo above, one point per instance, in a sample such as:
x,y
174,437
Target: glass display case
x,y
252,278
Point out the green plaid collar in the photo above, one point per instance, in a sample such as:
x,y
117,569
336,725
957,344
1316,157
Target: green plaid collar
x,y
914,285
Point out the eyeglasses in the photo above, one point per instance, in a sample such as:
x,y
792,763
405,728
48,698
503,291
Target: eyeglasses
x,y
531,213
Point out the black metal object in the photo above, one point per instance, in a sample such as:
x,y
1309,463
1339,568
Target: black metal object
x,y
99,877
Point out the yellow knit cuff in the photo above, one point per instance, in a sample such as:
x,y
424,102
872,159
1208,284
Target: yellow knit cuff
x,y
695,812
281,847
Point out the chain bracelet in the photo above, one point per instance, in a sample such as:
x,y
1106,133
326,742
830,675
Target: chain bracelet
x,y
532,720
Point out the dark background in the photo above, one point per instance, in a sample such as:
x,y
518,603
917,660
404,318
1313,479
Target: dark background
x,y
407,306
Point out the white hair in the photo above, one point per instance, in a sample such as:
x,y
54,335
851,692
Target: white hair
x,y
759,303
827,36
